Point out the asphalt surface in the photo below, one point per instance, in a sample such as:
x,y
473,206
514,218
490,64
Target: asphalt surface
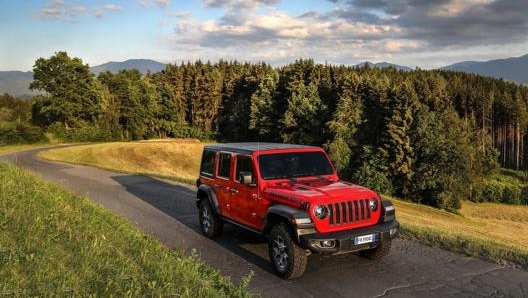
x,y
167,210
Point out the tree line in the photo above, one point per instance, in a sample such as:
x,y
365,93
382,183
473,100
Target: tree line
x,y
429,135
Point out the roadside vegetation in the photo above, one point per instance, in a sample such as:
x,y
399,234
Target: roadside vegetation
x,y
489,231
56,244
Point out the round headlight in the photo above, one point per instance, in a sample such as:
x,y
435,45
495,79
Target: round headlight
x,y
320,211
373,204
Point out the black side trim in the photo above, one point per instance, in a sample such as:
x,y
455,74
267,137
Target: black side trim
x,y
209,192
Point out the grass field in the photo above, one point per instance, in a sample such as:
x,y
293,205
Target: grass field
x,y
176,159
489,231
56,244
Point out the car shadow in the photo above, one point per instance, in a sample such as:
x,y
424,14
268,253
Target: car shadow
x,y
178,202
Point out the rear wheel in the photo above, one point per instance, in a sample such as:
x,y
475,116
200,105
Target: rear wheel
x,y
210,224
288,259
378,252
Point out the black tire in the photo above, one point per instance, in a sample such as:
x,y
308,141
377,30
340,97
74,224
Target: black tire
x,y
378,252
210,224
287,258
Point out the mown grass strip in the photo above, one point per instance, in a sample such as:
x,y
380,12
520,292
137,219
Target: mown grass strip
x,y
466,244
56,244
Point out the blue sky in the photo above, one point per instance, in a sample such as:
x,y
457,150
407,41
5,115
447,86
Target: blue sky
x,y
415,33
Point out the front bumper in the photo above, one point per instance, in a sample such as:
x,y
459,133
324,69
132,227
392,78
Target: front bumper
x,y
344,241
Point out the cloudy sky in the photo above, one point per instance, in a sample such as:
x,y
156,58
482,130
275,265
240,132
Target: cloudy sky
x,y
415,33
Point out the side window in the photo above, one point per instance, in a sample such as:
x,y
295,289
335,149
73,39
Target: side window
x,y
224,165
244,164
208,163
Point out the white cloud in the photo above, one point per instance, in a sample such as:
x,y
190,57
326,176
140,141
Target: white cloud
x,y
155,3
60,10
99,11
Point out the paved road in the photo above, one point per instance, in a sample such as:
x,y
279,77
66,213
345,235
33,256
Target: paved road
x,y
166,210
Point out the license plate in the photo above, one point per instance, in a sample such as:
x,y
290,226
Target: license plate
x,y
365,239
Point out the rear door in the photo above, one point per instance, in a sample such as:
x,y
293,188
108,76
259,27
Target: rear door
x,y
223,183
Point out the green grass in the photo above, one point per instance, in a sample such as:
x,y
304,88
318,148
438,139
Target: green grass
x,y
56,244
489,231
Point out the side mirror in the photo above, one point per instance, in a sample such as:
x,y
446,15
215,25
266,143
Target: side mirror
x,y
246,178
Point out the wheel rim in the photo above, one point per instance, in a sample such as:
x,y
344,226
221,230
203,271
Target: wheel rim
x,y
206,220
280,256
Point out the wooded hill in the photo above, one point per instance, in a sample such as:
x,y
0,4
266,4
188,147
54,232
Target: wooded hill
x,y
431,136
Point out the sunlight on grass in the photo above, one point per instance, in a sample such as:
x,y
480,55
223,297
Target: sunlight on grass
x,y
176,159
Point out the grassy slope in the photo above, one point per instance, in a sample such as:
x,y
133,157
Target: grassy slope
x,y
489,231
176,159
55,244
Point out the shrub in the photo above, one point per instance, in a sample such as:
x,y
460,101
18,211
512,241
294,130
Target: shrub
x,y
20,133
511,194
524,195
492,191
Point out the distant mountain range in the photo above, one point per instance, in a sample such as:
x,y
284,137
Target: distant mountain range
x,y
384,65
511,69
143,65
16,83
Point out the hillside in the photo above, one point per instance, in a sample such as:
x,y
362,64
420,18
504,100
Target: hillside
x,y
511,69
384,65
143,65
16,83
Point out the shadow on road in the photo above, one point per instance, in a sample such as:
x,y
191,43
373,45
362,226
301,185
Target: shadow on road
x,y
179,203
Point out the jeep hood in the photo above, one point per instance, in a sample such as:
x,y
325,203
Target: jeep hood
x,y
298,194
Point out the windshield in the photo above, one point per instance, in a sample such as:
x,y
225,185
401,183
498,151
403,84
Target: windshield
x,y
294,165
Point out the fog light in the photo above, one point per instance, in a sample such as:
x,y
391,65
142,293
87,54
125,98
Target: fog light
x,y
327,243
393,232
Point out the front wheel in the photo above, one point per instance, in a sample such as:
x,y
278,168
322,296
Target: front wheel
x,y
288,259
210,224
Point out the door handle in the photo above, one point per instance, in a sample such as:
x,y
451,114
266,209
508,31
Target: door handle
x,y
216,185
232,190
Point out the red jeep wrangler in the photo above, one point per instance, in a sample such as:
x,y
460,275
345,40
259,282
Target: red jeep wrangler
x,y
293,195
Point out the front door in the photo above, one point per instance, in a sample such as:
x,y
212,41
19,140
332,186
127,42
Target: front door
x,y
245,198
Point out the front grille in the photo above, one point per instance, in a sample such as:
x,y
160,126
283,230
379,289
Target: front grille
x,y
348,212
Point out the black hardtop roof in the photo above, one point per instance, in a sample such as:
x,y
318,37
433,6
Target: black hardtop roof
x,y
250,147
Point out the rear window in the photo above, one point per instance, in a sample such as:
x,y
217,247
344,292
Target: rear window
x,y
208,163
224,165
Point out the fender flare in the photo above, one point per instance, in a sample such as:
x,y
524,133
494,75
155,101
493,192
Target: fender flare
x,y
298,219
207,191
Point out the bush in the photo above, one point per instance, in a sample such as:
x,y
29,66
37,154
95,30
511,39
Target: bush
x,y
511,194
20,133
502,191
85,133
492,191
524,195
